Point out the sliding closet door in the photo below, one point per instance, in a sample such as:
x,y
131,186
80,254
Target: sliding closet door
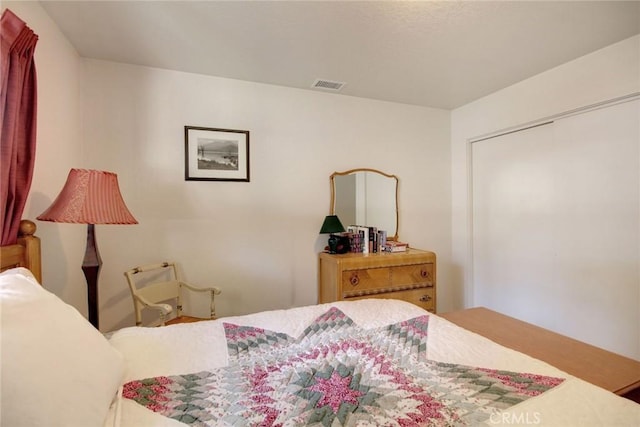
x,y
512,199
556,226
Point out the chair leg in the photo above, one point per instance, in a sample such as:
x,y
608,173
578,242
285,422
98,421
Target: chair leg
x,y
213,305
163,319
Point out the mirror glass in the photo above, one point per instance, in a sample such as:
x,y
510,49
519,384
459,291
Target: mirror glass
x,y
366,197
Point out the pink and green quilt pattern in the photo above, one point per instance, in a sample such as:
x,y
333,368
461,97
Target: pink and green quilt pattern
x,y
336,374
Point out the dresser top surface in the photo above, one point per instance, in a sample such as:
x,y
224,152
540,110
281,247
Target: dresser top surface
x,y
411,255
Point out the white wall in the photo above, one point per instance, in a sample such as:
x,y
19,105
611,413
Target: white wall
x,y
258,241
602,75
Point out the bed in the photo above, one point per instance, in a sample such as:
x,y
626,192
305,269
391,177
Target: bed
x,y
365,363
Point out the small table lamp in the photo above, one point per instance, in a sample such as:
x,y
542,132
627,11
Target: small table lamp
x,y
332,225
90,197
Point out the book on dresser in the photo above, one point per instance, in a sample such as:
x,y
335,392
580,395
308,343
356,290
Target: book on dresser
x,y
394,246
360,238
382,239
364,234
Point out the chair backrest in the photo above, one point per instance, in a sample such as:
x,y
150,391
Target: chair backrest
x,y
154,284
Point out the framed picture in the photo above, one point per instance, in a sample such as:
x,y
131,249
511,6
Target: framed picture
x,y
212,154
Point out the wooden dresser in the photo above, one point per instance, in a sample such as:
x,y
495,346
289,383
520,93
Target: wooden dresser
x,y
408,276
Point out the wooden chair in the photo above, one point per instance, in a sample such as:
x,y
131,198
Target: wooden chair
x,y
163,285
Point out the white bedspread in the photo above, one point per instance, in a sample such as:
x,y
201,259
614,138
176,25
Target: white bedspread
x,y
188,348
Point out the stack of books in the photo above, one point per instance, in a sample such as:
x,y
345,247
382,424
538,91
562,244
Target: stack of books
x,y
366,239
393,246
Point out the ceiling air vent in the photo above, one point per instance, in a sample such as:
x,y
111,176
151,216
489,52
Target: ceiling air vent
x,y
327,84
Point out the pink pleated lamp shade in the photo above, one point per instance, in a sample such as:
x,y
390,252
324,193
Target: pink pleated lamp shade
x,y
89,197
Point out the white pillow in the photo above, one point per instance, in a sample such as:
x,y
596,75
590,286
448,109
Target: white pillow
x,y
56,368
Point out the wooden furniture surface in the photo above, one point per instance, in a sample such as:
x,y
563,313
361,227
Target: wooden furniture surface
x,y
408,276
603,368
25,253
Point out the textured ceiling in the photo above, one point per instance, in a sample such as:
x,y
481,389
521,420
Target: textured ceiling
x,y
432,53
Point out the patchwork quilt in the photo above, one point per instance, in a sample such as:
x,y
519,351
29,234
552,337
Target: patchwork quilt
x,y
336,374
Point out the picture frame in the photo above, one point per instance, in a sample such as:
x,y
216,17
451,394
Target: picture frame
x,y
214,154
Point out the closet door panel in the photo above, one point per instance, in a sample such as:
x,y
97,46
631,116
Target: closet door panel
x,y
556,226
513,201
598,240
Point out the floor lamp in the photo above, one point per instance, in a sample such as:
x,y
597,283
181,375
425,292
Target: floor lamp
x,y
90,197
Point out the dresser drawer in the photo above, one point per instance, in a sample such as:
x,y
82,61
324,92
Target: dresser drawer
x,y
409,275
424,298
362,282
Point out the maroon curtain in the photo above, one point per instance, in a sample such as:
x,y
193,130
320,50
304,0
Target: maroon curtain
x,y
17,121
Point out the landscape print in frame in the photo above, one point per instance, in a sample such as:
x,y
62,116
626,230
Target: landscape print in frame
x,y
213,154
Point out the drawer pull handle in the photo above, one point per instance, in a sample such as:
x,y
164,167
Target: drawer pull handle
x,y
424,274
425,298
354,280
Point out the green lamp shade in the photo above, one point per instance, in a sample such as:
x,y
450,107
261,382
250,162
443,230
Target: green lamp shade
x,y
331,224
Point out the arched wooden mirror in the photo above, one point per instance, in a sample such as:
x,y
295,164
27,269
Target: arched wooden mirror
x,y
366,197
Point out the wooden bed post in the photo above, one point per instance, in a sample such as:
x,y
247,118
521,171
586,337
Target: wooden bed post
x,y
31,244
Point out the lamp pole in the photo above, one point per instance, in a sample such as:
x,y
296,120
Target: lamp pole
x,y
91,269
